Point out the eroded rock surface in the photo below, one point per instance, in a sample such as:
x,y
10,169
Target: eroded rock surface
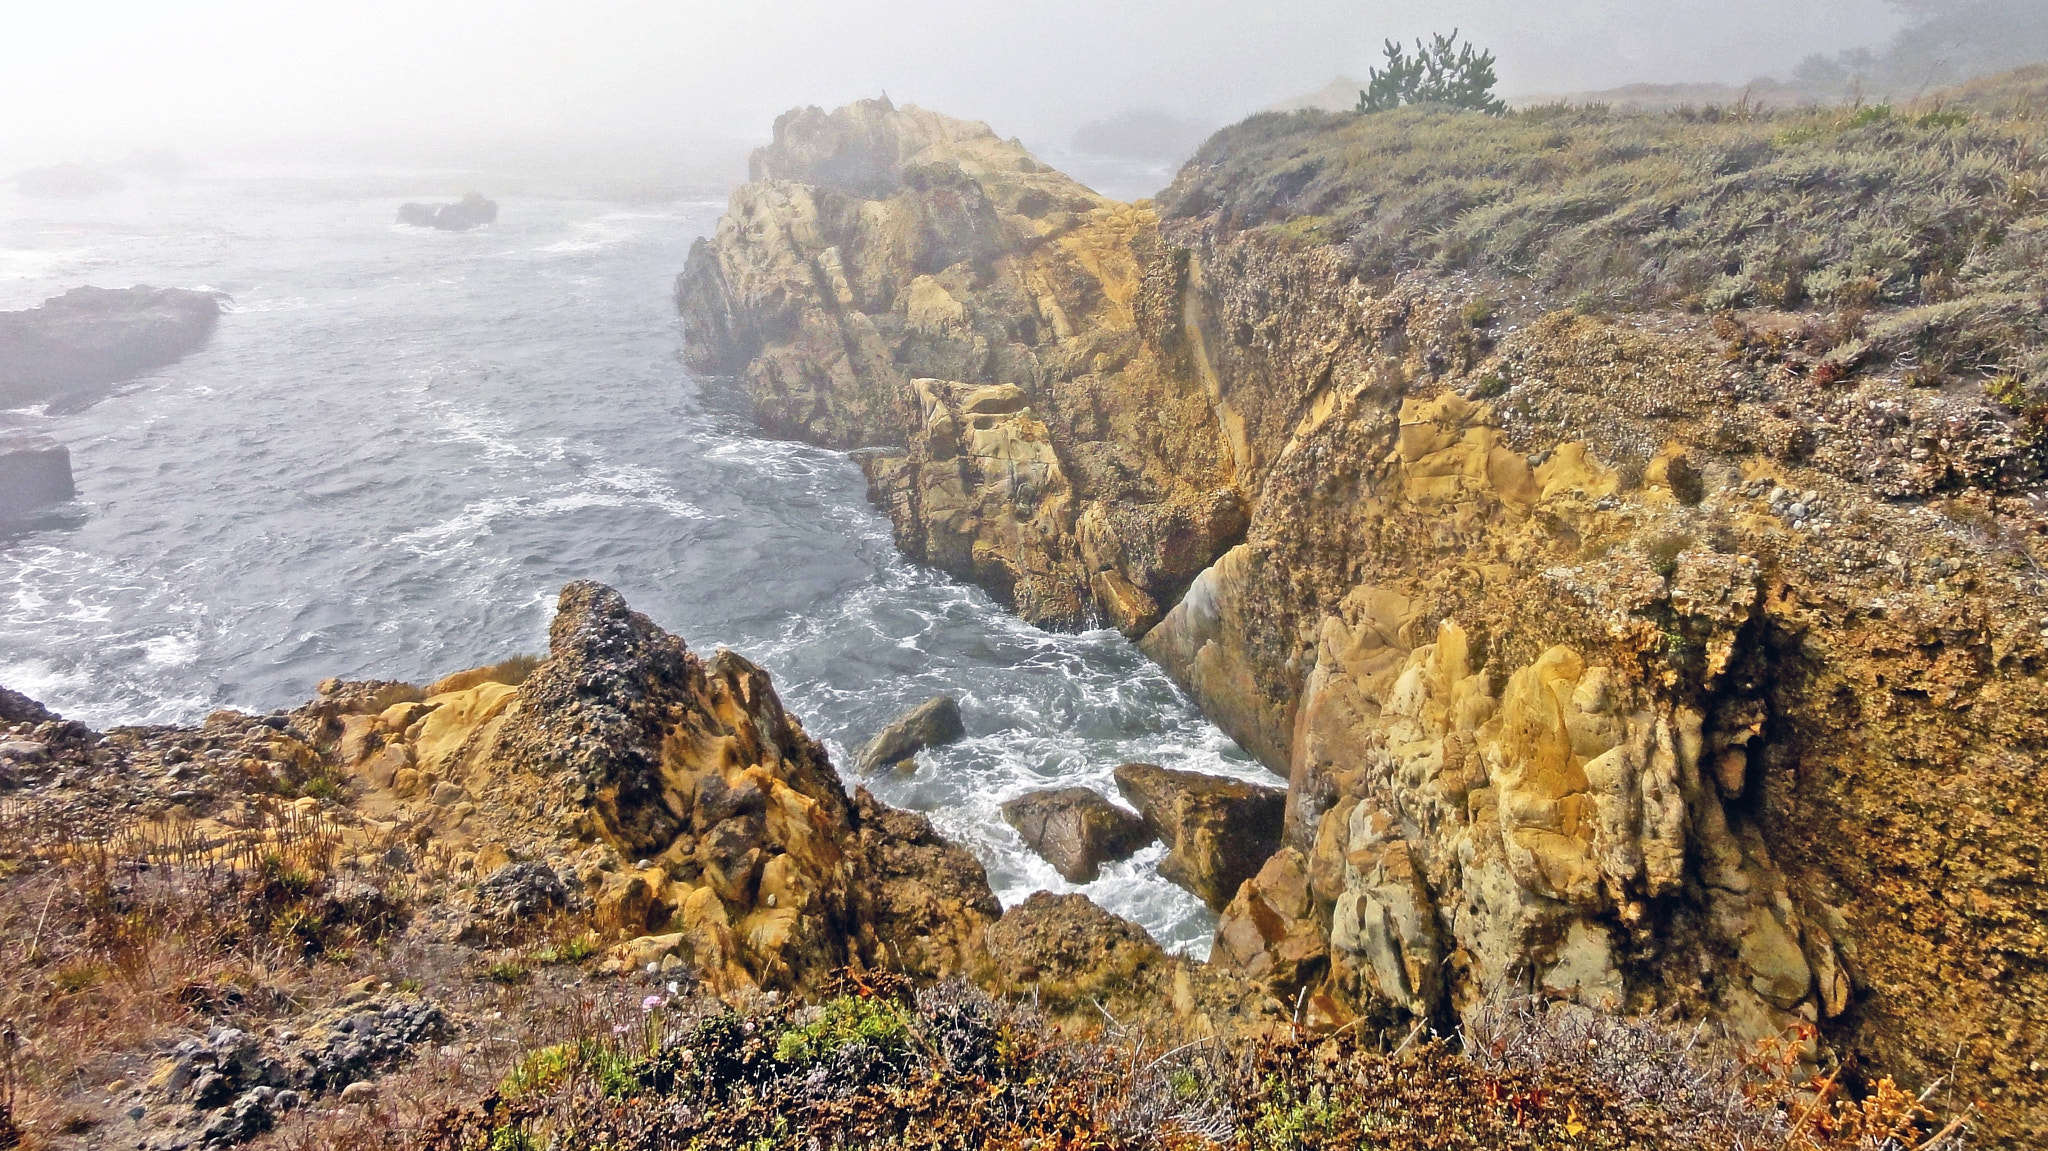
x,y
1618,653
906,282
1218,831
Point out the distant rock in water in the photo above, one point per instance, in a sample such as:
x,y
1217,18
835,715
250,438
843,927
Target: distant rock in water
x,y
35,472
460,216
92,337
67,182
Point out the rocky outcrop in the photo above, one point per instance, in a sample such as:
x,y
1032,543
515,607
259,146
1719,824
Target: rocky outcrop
x,y
35,472
708,831
1076,830
91,337
1068,951
231,1086
472,211
885,266
1648,659
933,723
1217,831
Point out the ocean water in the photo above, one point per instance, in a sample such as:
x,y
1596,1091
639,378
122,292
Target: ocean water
x,y
400,443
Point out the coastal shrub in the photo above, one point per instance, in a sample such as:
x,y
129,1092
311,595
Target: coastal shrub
x,y
844,1021
964,1069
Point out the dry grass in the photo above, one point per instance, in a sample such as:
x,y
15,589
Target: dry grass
x,y
1929,223
111,946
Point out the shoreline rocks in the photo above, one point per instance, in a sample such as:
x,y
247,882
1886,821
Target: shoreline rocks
x,y
35,473
1076,830
933,723
1218,831
91,338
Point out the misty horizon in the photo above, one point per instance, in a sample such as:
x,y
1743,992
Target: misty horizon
x,y
459,82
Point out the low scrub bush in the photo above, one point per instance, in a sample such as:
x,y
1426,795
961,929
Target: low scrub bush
x,y
949,1067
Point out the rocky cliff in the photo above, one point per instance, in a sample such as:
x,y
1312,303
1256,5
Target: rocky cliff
x,y
1676,651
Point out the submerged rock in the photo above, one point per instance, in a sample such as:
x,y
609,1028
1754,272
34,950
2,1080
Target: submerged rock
x,y
933,723
35,472
473,210
1218,831
92,337
1076,830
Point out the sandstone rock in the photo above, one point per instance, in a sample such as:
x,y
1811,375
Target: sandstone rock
x,y
1218,831
914,284
1076,830
1069,952
361,1093
1270,932
35,472
931,900
933,723
774,877
89,338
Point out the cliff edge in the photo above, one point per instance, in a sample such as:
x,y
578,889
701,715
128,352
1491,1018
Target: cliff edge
x,y
1629,555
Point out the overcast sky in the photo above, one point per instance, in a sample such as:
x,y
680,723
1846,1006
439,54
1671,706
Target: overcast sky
x,y
93,77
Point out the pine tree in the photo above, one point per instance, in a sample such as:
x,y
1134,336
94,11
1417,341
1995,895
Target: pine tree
x,y
1440,72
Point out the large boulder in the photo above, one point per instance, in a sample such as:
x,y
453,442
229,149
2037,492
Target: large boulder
x,y
35,472
1076,830
930,898
933,723
92,337
469,212
1068,951
1219,830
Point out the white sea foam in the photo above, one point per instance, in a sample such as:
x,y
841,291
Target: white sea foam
x,y
483,463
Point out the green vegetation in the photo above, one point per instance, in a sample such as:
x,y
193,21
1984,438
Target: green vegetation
x,y
881,1024
1441,72
945,1067
1932,221
575,949
508,972
542,1070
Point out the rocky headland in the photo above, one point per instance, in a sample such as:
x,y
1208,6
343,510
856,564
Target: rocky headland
x,y
1632,562
287,909
90,338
